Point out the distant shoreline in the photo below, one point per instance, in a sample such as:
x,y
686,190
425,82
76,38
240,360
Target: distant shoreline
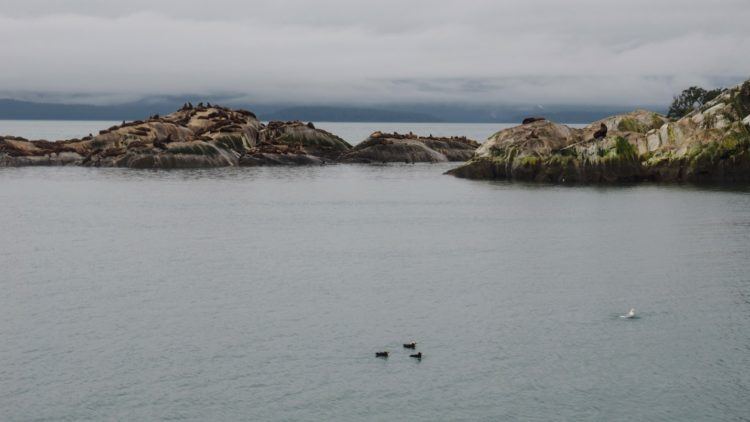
x,y
11,109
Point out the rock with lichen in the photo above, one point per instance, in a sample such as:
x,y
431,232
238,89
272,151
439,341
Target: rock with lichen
x,y
295,143
410,148
17,151
708,145
201,136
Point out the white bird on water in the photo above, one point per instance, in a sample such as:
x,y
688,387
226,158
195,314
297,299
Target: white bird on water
x,y
630,314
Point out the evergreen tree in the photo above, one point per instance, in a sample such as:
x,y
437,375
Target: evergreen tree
x,y
691,99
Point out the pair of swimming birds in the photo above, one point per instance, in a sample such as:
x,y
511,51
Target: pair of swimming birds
x,y
412,345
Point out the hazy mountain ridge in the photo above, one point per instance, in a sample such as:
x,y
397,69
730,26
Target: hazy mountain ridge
x,y
12,109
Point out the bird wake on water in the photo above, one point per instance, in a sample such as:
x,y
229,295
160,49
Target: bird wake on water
x,y
629,315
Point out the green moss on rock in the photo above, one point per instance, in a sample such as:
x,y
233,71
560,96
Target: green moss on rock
x,y
528,161
631,125
623,148
656,121
740,100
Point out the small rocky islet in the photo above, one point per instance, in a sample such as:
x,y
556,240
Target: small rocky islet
x,y
710,144
214,136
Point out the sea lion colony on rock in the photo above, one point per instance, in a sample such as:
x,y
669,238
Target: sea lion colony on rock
x,y
709,144
201,136
410,148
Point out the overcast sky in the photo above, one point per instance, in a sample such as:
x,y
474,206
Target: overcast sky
x,y
375,51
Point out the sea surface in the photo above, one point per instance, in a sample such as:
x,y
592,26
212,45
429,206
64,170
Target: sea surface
x,y
263,294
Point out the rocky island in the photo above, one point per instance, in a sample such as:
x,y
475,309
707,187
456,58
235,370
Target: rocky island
x,y
215,136
394,147
194,136
709,144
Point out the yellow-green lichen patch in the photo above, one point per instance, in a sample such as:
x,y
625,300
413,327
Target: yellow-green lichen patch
x,y
528,161
740,100
623,148
656,121
671,135
628,124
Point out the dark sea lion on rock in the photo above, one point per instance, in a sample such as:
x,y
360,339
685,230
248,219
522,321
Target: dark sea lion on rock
x,y
601,133
310,125
246,113
528,120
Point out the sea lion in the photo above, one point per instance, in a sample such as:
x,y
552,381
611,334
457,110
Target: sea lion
x,y
528,120
601,133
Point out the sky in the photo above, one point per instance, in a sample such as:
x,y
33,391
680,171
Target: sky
x,y
370,52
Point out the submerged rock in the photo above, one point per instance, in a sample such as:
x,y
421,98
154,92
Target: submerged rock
x,y
710,144
410,148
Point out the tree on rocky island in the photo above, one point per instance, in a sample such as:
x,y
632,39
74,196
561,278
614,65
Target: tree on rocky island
x,y
691,99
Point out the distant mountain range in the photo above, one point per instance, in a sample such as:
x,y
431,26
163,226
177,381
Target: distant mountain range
x,y
348,114
11,109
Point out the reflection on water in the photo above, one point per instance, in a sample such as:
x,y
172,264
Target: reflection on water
x,y
262,294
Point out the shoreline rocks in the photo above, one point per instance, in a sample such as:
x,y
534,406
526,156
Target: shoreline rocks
x,y
410,148
295,143
215,136
711,144
708,145
191,137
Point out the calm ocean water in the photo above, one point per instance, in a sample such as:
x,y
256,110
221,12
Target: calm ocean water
x,y
263,293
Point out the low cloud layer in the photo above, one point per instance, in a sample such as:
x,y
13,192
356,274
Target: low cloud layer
x,y
345,51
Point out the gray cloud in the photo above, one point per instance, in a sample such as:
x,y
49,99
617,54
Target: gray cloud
x,y
547,51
